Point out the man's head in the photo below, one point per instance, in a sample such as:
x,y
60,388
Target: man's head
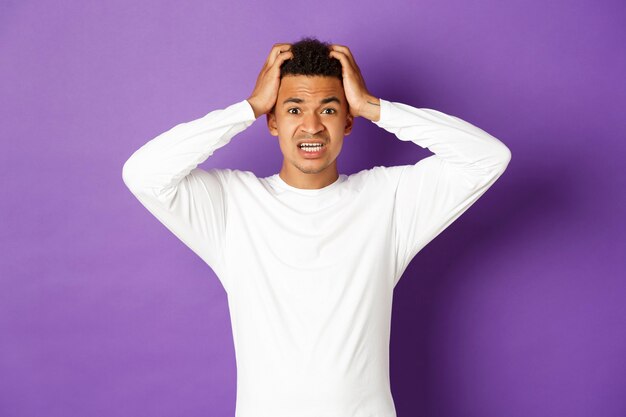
x,y
311,107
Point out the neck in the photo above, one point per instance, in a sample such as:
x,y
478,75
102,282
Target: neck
x,y
309,181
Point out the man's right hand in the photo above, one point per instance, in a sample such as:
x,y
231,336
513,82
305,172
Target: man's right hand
x,y
263,98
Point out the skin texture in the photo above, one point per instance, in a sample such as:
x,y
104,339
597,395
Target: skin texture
x,y
310,119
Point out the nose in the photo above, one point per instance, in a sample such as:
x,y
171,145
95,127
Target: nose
x,y
311,123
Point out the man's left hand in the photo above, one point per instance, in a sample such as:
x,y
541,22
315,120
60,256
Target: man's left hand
x,y
360,101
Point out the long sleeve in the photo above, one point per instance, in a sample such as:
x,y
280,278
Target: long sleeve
x,y
435,191
189,201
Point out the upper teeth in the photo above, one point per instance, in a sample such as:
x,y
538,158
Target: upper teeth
x,y
311,147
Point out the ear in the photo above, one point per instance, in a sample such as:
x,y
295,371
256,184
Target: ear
x,y
349,124
271,123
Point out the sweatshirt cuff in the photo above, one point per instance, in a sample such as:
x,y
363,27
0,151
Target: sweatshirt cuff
x,y
246,110
384,112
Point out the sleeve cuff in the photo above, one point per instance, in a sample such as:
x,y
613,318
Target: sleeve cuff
x,y
246,109
384,112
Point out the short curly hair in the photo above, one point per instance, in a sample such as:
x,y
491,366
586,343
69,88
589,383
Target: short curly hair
x,y
310,57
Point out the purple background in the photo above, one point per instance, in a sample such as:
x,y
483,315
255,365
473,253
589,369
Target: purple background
x,y
517,309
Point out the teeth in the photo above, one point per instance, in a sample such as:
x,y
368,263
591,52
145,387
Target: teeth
x,y
311,147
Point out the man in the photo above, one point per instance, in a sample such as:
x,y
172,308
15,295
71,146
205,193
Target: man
x,y
309,257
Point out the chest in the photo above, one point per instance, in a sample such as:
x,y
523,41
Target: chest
x,y
356,228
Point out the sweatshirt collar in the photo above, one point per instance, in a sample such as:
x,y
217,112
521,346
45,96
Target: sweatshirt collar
x,y
278,181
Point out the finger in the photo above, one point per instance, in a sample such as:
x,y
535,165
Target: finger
x,y
277,49
275,67
346,51
343,58
276,54
282,57
346,58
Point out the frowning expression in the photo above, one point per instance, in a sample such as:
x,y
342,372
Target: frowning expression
x,y
311,118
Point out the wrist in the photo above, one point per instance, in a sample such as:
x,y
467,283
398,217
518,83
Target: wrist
x,y
370,109
255,107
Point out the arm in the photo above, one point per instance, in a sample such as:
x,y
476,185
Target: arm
x,y
189,201
434,192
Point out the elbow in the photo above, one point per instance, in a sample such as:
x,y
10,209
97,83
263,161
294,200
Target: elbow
x,y
504,157
500,159
497,161
130,174
140,179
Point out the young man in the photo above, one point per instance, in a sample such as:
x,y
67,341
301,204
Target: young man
x,y
309,257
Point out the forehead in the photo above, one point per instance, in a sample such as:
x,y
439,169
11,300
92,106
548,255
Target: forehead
x,y
310,88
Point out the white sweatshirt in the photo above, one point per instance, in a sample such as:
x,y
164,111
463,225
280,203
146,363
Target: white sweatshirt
x,y
310,273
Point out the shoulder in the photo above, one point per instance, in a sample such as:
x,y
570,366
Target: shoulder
x,y
236,179
226,174
225,177
378,175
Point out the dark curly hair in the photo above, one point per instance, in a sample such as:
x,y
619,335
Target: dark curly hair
x,y
310,57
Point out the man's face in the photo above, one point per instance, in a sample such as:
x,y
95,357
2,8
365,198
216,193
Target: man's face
x,y
310,109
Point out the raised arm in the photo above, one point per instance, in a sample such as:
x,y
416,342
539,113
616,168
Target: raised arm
x,y
158,167
162,163
435,191
192,203
187,200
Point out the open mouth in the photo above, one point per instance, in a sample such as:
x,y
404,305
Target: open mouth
x,y
311,149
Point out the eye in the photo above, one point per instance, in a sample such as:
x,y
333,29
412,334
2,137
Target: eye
x,y
293,108
332,111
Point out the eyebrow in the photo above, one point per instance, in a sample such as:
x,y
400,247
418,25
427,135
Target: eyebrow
x,y
322,101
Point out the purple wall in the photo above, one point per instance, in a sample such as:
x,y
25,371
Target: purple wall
x,y
517,309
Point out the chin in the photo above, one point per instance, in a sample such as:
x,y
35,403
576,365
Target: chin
x,y
312,169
